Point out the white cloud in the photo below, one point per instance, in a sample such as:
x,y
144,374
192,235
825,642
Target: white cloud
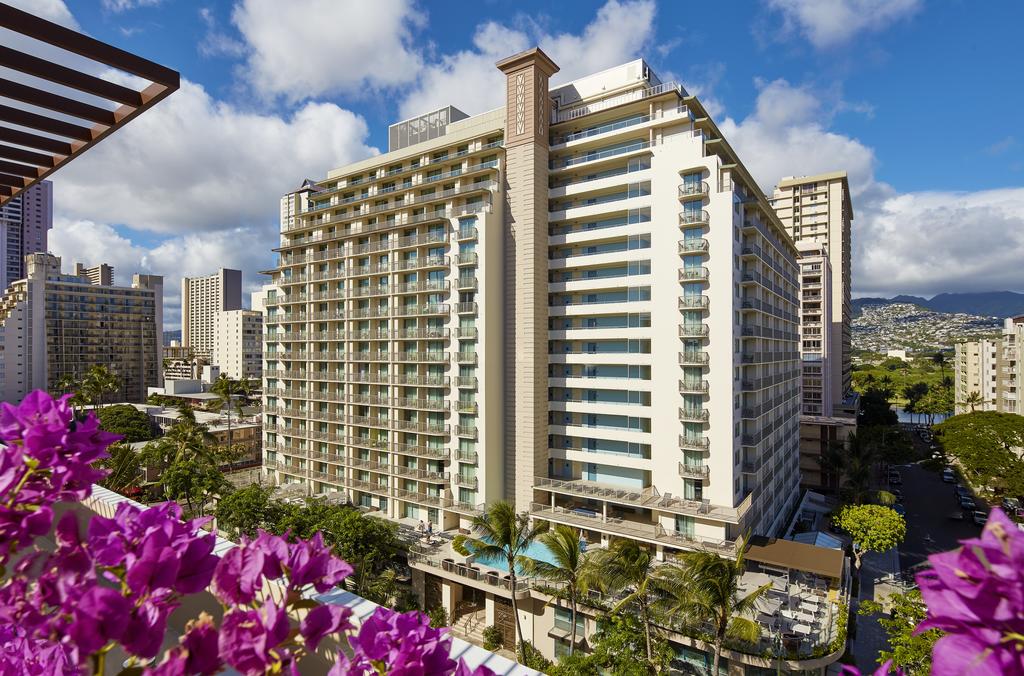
x,y
787,134
929,242
469,81
246,249
920,243
125,5
51,10
216,42
308,48
830,23
194,163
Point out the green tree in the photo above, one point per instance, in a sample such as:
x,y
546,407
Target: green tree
x,y
124,467
99,381
909,650
247,510
619,648
195,482
973,399
985,446
876,407
229,392
502,534
630,568
128,421
705,589
939,359
570,568
873,528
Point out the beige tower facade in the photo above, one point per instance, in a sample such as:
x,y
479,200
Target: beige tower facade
x,y
238,344
526,269
817,209
202,300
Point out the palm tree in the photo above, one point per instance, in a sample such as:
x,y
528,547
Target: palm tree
x,y
227,388
939,359
98,382
627,566
571,567
973,400
502,534
706,588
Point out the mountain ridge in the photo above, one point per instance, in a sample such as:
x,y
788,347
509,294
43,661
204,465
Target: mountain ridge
x,y
984,304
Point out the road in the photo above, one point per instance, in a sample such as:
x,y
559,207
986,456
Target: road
x,y
929,503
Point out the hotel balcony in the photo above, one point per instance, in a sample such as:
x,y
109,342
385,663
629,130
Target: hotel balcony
x,y
466,481
693,387
466,234
465,283
466,308
693,471
693,358
691,443
466,456
690,246
700,302
693,274
470,258
466,431
636,530
693,330
691,191
695,415
646,498
691,218
466,406
468,382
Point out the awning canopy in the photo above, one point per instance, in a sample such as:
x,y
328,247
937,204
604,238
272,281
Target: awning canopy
x,y
796,556
51,112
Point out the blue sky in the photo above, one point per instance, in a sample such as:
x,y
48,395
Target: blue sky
x,y
919,101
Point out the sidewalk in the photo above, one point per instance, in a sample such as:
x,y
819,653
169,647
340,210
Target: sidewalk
x,y
878,579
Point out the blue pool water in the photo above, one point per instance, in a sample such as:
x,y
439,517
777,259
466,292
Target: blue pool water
x,y
536,550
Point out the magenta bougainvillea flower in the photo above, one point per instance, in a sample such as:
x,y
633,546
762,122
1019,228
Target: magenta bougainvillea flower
x,y
976,595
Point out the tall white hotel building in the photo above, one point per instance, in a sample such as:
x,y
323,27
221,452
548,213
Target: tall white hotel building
x,y
581,302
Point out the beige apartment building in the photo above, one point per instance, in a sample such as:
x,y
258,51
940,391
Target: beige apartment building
x,y
202,301
992,368
817,213
53,324
100,275
238,344
580,301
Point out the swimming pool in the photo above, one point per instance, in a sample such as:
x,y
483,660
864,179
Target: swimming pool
x,y
537,551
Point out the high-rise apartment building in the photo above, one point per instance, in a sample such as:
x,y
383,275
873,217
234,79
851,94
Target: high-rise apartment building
x,y
817,213
817,209
992,368
238,344
581,302
101,274
54,325
202,300
25,222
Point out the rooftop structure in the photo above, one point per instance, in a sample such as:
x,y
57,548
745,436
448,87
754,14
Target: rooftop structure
x,y
88,109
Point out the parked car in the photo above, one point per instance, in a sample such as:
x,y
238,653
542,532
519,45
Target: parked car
x,y
979,517
957,515
900,509
960,489
895,479
967,502
1011,505
948,476
898,494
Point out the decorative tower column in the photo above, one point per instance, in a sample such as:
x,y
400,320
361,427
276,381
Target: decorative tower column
x,y
527,111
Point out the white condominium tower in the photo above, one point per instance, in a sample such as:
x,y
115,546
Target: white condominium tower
x,y
993,369
580,302
202,300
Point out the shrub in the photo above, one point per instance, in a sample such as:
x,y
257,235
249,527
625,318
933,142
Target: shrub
x,y
438,617
493,638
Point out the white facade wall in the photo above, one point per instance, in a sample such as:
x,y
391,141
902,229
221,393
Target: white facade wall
x,y
238,344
